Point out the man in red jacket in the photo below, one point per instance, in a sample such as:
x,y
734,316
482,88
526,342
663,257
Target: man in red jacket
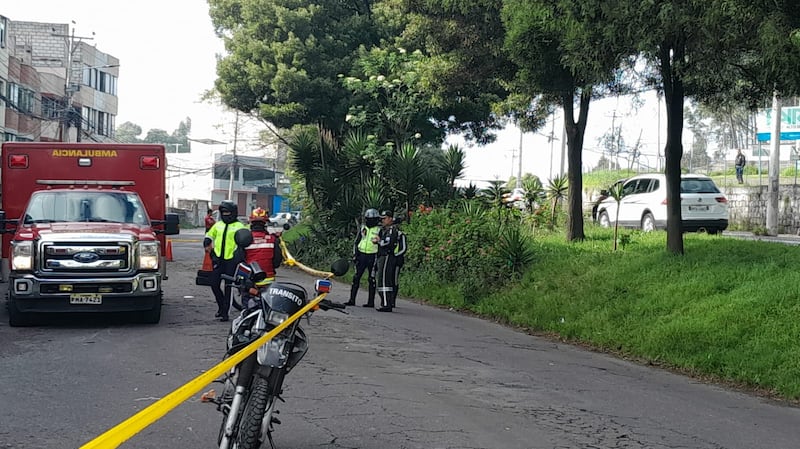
x,y
265,249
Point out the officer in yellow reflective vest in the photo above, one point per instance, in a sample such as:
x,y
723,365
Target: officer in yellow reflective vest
x,y
364,251
220,244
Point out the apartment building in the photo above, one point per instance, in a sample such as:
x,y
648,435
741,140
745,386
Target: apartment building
x,y
54,85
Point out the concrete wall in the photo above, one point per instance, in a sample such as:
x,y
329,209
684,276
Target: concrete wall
x,y
748,208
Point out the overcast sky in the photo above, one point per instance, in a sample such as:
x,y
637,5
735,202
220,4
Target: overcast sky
x,y
167,51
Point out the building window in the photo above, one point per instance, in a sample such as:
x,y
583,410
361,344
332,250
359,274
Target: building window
x,y
12,95
51,108
26,100
2,92
3,28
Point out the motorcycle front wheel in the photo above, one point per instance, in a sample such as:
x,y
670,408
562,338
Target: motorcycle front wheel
x,y
249,434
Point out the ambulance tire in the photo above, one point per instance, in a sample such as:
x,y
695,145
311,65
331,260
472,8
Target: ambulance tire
x,y
152,316
17,318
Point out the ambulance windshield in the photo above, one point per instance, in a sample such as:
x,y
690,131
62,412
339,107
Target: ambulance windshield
x,y
74,205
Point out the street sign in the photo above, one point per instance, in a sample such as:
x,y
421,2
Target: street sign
x,y
790,124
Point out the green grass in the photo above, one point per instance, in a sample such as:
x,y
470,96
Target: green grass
x,y
728,309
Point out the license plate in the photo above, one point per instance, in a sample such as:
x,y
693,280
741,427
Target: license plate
x,y
85,298
698,207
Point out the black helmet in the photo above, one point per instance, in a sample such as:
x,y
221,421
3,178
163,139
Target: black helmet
x,y
371,218
228,211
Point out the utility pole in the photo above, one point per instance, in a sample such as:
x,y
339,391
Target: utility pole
x,y
774,165
563,147
551,138
176,145
71,41
519,167
233,162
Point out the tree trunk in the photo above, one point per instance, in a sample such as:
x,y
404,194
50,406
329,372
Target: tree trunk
x,y
673,96
575,133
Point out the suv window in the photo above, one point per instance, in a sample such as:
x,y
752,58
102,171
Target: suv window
x,y
698,186
638,186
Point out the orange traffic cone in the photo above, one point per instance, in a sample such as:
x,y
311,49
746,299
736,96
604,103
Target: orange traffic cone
x,y
207,265
169,250
204,274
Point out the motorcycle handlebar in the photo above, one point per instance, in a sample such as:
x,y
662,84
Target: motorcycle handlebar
x,y
327,304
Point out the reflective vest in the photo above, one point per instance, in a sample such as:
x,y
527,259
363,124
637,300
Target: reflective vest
x,y
262,250
222,235
365,245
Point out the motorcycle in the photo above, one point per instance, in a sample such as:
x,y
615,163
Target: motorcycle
x,y
252,387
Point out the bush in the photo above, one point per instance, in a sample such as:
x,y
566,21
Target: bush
x,y
464,247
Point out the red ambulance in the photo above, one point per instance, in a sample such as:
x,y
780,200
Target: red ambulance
x,y
83,228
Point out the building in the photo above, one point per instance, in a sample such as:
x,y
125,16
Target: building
x,y
54,86
256,183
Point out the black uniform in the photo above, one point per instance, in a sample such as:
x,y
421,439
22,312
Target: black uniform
x,y
399,261
385,266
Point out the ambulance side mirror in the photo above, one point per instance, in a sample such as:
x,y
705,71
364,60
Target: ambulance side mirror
x,y
171,224
3,223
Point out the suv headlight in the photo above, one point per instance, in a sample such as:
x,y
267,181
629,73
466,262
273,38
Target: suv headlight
x,y
149,255
22,255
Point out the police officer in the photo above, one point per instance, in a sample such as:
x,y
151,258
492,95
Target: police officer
x,y
220,244
364,251
399,260
385,263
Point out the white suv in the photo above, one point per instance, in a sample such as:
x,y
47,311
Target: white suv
x,y
644,204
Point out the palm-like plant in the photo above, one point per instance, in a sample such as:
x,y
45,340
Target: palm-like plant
x,y
304,157
407,174
495,195
452,164
557,189
374,194
534,192
355,163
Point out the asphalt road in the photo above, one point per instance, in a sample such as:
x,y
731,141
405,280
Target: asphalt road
x,y
419,378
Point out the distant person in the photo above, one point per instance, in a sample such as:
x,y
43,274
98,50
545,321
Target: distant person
x,y
364,253
740,163
210,219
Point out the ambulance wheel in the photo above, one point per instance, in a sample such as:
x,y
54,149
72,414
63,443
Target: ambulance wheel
x,y
152,316
17,318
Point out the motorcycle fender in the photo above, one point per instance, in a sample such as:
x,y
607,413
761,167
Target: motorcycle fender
x,y
274,352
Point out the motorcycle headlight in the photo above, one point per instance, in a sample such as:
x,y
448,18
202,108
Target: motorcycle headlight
x,y
22,255
275,318
149,255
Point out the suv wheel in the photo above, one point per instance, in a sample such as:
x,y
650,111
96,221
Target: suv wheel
x,y
603,220
648,223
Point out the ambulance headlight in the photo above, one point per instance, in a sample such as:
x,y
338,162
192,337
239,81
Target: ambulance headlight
x,y
149,255
22,255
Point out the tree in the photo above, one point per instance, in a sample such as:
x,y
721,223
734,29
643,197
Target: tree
x,y
567,54
128,132
389,100
284,56
468,70
707,50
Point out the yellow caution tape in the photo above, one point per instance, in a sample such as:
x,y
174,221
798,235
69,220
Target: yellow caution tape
x,y
288,259
133,425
